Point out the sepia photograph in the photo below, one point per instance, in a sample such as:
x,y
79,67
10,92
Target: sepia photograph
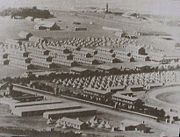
x,y
89,68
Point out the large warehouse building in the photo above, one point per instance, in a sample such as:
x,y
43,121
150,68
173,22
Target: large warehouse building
x,y
69,113
35,103
38,110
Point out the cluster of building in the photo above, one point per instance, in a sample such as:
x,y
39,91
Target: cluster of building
x,y
129,125
3,57
94,122
16,55
39,56
70,55
105,82
51,110
118,89
19,57
71,123
77,51
64,113
33,105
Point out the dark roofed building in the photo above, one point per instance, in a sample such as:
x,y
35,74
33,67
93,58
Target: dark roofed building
x,y
128,125
115,89
69,113
124,101
107,68
96,94
136,50
143,128
136,88
80,29
47,26
79,70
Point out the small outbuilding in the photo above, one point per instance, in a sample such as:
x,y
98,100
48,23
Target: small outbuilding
x,y
47,26
80,29
29,18
25,35
136,88
142,128
128,125
73,123
35,39
107,68
79,70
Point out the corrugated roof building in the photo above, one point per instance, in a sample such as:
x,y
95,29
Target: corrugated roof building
x,y
46,25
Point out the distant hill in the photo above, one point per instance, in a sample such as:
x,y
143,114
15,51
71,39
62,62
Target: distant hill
x,y
25,12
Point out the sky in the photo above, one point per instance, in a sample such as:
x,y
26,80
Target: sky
x,y
156,7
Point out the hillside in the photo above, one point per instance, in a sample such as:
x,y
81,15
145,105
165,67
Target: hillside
x,y
24,12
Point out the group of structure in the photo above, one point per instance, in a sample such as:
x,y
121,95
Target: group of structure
x,y
63,113
34,105
124,80
51,54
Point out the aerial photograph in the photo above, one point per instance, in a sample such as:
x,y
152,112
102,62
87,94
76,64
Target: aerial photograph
x,y
89,68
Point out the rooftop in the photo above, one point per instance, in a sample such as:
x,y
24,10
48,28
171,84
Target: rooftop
x,y
105,67
88,49
78,69
136,86
70,46
23,34
117,87
127,123
71,111
84,58
104,56
141,65
56,48
132,65
104,48
119,95
73,121
97,90
81,52
46,107
43,102
47,24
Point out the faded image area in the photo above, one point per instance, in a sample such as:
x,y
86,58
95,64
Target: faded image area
x,y
96,68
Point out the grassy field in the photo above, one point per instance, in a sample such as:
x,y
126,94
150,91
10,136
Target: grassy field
x,y
9,120
171,97
166,97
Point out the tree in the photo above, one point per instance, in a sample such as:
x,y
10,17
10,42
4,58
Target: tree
x,y
138,104
34,8
162,113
